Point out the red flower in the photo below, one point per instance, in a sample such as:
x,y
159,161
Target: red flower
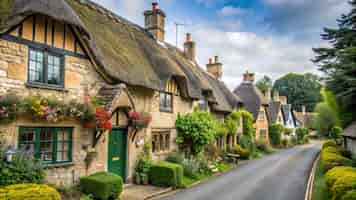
x,y
134,115
100,112
89,126
107,125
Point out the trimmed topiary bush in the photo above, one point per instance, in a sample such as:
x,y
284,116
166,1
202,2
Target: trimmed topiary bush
x,y
343,185
332,150
330,144
166,174
350,195
102,185
330,160
29,192
332,175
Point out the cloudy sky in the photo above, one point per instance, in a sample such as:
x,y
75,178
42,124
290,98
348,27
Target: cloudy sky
x,y
268,37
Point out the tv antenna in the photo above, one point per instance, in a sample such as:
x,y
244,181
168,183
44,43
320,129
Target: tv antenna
x,y
177,29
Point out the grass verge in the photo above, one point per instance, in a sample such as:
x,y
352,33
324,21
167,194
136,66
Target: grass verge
x,y
320,191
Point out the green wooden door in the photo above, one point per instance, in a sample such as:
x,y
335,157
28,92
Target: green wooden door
x,y
117,151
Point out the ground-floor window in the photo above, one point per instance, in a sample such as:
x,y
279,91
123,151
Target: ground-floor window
x,y
263,134
51,145
161,141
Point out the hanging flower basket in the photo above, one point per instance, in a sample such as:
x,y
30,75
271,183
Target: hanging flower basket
x,y
140,119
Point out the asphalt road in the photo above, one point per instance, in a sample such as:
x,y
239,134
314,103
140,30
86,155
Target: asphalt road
x,y
280,176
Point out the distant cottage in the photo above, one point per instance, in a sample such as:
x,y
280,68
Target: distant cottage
x,y
75,49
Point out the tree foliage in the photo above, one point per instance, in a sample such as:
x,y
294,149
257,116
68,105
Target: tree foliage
x,y
325,119
232,122
301,89
264,83
197,130
338,61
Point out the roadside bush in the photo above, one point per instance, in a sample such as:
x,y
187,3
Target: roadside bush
x,y
22,169
166,174
333,174
243,152
275,134
264,146
287,131
102,185
331,150
293,140
29,192
301,133
350,195
330,160
175,157
285,142
343,185
336,132
247,142
330,144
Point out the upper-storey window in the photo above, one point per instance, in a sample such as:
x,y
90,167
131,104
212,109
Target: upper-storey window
x,y
203,106
45,68
165,102
261,116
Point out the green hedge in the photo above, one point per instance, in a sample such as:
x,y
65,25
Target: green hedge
x,y
331,157
102,185
29,192
332,175
275,134
330,144
166,174
343,185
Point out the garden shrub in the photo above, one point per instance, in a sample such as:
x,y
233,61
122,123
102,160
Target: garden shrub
x,y
336,132
166,174
22,169
175,157
301,133
191,167
197,130
275,134
333,174
350,195
102,185
285,142
332,150
232,122
212,152
264,146
29,192
330,144
330,160
243,152
343,185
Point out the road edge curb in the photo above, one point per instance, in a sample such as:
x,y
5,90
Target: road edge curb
x,y
163,192
310,185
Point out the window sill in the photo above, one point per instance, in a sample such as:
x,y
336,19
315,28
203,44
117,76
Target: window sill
x,y
57,165
48,87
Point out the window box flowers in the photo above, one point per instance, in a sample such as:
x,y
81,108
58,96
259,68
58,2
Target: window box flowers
x,y
140,119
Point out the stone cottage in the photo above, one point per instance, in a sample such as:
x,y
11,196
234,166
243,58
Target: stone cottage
x,y
349,136
72,49
256,103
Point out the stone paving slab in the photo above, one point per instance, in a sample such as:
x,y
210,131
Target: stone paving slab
x,y
142,192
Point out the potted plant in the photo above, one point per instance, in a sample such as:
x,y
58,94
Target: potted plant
x,y
137,178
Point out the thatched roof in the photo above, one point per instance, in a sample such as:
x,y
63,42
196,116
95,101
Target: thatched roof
x,y
124,51
273,111
252,98
350,131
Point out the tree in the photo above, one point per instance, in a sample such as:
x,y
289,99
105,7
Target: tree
x,y
264,83
338,61
325,119
301,89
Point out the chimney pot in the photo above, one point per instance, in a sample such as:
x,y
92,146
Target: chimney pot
x,y
188,37
249,77
216,59
154,6
210,61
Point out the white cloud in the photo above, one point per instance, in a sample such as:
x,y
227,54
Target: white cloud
x,y
231,11
281,2
209,3
240,51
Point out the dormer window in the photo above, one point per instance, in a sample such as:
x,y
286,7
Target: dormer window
x,y
261,116
45,68
203,104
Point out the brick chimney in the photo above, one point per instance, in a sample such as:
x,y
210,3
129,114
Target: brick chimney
x,y
155,22
249,77
215,67
189,47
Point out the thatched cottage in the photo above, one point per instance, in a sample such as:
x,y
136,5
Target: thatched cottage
x,y
256,103
72,49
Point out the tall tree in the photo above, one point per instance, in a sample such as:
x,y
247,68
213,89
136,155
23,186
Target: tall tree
x,y
301,89
338,61
264,83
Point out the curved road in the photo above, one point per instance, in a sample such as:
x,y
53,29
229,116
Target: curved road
x,y
280,176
